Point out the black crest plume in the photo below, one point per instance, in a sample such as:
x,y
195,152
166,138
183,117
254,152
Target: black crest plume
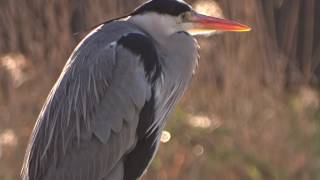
x,y
170,7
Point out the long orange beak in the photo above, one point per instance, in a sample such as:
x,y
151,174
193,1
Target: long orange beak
x,y
207,23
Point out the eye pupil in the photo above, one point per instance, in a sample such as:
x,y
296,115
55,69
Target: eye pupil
x,y
183,16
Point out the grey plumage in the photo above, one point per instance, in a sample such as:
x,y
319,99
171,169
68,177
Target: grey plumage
x,y
90,120
104,116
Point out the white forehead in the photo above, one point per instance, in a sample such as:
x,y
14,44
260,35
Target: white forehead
x,y
156,23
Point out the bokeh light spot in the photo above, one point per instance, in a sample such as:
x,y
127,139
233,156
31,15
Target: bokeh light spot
x,y
8,138
165,137
210,8
198,150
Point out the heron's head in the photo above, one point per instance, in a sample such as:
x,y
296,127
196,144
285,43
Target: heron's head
x,y
172,16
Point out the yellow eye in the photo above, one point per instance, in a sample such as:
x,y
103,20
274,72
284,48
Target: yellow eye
x,y
184,16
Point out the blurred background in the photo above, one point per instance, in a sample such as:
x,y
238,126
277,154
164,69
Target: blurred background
x,y
252,112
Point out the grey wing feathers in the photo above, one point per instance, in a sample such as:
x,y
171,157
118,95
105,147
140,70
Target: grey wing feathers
x,y
90,117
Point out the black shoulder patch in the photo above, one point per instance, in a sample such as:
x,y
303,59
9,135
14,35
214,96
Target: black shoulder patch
x,y
140,157
170,7
143,46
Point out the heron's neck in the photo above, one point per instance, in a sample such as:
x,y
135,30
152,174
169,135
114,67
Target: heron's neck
x,y
159,27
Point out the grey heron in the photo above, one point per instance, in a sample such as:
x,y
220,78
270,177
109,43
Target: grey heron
x,y
103,118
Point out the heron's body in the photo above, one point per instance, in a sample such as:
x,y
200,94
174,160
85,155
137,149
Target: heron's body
x,y
108,94
104,116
